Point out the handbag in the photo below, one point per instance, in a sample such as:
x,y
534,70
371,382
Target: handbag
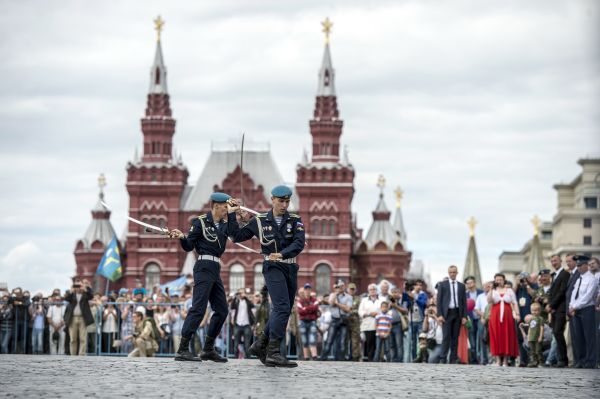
x,y
404,321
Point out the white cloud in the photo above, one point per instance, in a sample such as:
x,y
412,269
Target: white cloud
x,y
474,109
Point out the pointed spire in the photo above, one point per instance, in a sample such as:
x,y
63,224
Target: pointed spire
x,y
472,267
326,73
398,223
158,72
536,257
381,230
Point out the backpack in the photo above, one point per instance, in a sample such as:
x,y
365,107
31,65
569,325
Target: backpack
x,y
155,332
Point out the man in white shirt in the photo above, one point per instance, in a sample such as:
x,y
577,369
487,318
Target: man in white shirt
x,y
582,311
56,325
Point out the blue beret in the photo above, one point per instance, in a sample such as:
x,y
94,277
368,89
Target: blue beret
x,y
219,197
281,192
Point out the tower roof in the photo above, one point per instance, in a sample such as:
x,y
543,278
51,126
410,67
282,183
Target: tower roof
x,y
258,164
100,228
381,229
472,262
398,223
326,73
158,71
536,257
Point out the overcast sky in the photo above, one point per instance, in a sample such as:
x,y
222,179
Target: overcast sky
x,y
474,108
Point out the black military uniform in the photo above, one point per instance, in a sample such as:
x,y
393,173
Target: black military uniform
x,y
286,237
208,237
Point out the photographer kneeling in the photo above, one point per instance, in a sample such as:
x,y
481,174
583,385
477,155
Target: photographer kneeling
x,y
145,336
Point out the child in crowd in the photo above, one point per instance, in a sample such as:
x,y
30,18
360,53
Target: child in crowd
x,y
383,327
535,335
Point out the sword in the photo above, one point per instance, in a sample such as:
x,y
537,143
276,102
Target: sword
x,y
162,230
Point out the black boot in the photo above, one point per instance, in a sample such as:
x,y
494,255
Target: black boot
x,y
209,352
275,358
183,353
259,348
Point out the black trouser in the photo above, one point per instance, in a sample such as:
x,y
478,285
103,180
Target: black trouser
x,y
584,337
370,343
451,331
559,321
523,354
282,284
207,287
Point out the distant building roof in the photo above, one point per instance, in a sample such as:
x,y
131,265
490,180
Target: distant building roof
x,y
258,164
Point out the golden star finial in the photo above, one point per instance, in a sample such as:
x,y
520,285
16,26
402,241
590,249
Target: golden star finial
x,y
399,194
472,223
381,182
101,182
158,26
327,24
537,222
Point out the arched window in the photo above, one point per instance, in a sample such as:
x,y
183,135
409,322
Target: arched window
x,y
259,280
323,278
331,227
316,227
324,228
236,277
152,276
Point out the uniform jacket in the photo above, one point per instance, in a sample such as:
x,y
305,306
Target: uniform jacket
x,y
443,298
205,237
558,291
571,285
287,239
84,304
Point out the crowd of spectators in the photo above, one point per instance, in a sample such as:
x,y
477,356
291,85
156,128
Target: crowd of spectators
x,y
507,324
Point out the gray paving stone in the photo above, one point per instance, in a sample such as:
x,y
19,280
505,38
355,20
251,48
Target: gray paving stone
x,y
103,377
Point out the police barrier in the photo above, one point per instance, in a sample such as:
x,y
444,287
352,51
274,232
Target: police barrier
x,y
112,332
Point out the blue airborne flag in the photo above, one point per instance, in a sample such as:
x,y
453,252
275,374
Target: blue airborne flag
x,y
110,264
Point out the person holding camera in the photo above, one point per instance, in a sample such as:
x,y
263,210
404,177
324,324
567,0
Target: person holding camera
x,y
399,325
37,312
78,315
502,327
308,313
525,293
417,302
6,323
340,306
20,305
145,336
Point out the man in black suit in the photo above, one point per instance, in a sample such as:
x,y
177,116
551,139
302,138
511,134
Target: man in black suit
x,y
451,312
557,306
574,276
78,315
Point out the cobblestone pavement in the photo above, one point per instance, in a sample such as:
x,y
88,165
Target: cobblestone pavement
x,y
103,377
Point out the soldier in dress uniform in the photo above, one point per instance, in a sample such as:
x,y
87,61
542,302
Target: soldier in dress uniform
x,y
542,294
208,236
582,311
281,236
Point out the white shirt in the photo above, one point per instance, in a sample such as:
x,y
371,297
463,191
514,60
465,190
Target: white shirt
x,y
366,307
587,286
481,302
241,316
453,294
77,310
56,313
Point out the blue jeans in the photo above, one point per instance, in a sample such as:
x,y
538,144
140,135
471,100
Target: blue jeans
x,y
6,336
552,355
435,354
37,340
482,347
308,332
415,330
397,344
382,343
336,339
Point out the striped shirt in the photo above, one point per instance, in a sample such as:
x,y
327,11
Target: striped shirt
x,y
383,324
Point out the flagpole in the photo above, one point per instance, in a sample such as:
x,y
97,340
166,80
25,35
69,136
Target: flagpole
x,y
106,290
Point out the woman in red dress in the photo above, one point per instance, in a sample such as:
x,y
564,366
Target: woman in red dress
x,y
502,330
